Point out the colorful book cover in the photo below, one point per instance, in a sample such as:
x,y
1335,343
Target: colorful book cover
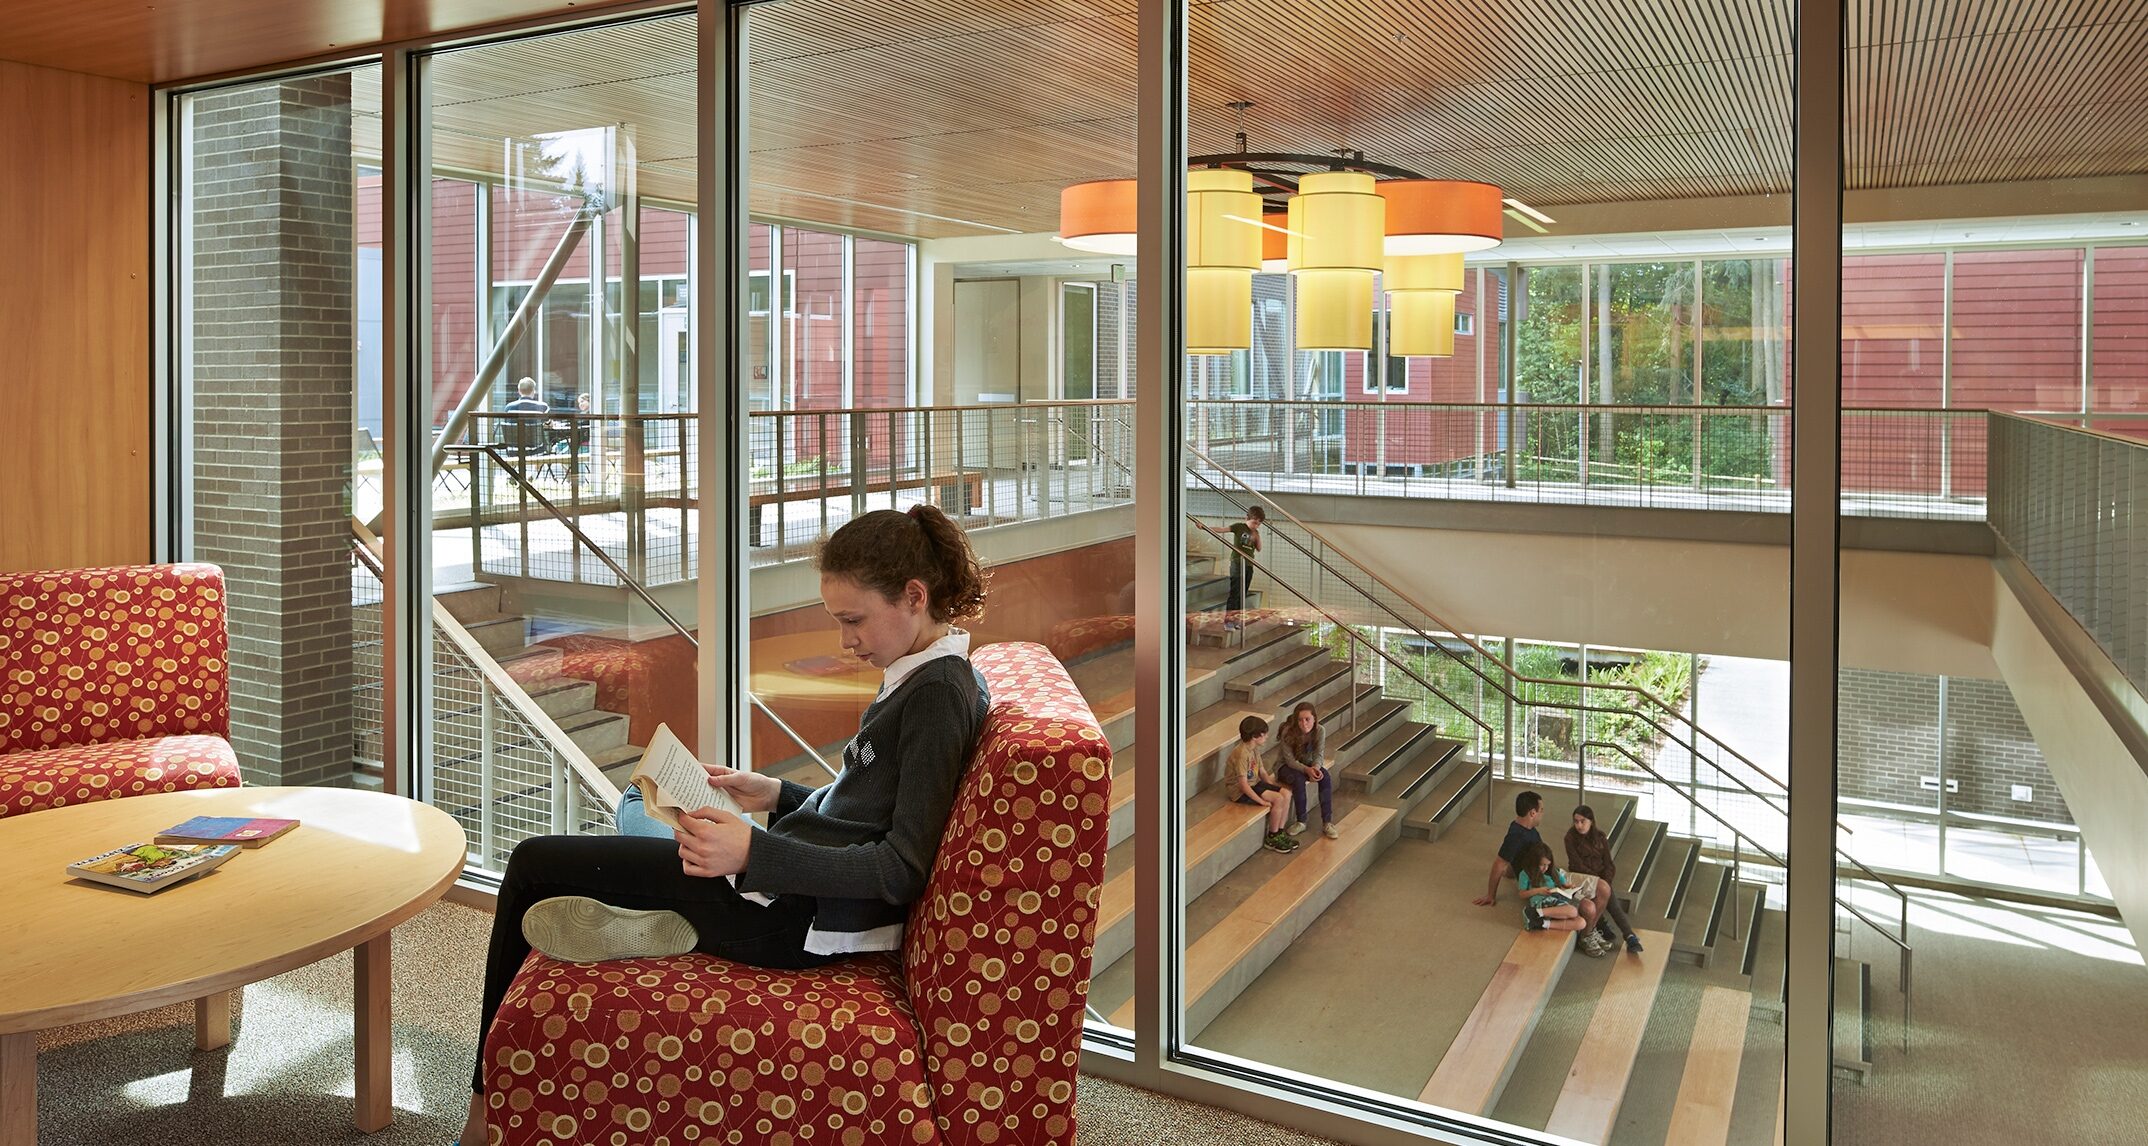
x,y
151,867
242,830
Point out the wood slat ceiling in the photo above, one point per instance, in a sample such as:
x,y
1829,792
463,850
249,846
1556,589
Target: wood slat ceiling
x,y
916,118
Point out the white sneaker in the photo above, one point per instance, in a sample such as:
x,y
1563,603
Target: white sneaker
x,y
1329,831
1593,946
1297,827
577,929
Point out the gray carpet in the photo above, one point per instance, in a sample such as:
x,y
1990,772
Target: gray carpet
x,y
286,1077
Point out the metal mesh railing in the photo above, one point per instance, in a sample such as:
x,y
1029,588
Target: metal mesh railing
x,y
1896,463
2072,503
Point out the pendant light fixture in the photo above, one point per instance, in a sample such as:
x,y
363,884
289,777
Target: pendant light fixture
x,y
1336,223
1223,249
1421,290
1098,216
1441,216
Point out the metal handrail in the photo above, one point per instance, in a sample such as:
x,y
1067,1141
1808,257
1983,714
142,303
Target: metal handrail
x,y
1650,697
1900,941
633,586
1340,625
1583,685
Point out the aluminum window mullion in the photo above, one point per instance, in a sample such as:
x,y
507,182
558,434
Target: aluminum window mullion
x,y
721,257
1815,572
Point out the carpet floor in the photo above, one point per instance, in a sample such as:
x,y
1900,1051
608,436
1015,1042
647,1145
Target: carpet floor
x,y
286,1077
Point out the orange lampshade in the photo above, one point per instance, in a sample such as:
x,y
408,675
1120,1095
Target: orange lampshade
x,y
1275,242
1440,216
1098,216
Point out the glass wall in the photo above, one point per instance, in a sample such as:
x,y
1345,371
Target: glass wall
x,y
1381,697
277,359
561,430
1974,779
1368,724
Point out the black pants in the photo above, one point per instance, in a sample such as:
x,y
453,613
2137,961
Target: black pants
x,y
644,874
1234,595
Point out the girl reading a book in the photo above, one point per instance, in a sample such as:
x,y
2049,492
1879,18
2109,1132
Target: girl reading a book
x,y
836,869
1552,902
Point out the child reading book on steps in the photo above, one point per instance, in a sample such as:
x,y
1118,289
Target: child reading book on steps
x,y
1552,902
836,869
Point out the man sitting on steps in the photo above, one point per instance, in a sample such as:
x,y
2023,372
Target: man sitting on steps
x,y
1528,810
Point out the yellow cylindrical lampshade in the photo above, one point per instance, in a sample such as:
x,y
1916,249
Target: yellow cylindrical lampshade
x,y
1440,216
1219,310
1423,272
1337,222
1275,242
1420,323
1222,219
1098,216
1334,309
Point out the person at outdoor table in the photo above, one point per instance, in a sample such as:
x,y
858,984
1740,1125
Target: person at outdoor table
x,y
1301,763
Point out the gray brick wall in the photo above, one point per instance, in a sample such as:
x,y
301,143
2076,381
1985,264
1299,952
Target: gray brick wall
x,y
1890,737
272,378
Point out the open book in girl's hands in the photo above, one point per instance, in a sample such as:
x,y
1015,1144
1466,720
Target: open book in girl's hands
x,y
672,781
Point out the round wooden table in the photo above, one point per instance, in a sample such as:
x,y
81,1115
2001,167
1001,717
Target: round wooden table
x,y
811,670
73,951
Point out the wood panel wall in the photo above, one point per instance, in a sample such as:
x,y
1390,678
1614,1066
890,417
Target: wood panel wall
x,y
74,320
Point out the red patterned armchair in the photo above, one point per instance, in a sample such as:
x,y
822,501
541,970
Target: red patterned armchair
x,y
971,1035
112,683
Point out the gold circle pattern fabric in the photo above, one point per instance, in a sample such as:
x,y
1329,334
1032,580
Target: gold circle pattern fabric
x,y
972,1035
113,682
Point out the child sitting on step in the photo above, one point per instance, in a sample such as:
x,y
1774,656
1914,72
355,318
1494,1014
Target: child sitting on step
x,y
1543,909
1253,784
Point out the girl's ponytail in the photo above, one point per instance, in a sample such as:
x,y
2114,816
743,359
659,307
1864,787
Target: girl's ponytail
x,y
960,586
887,549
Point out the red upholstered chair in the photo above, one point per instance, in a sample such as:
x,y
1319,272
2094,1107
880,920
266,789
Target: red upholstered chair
x,y
112,683
971,1035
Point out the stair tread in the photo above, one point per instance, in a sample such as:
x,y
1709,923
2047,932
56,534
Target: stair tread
x,y
1282,666
1475,1069
1427,812
1223,945
1708,1088
1416,779
1697,922
1588,1104
1632,856
1211,831
1659,905
1375,727
1369,761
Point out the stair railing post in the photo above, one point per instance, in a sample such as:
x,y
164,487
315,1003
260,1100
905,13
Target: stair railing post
x,y
487,735
1352,693
1737,856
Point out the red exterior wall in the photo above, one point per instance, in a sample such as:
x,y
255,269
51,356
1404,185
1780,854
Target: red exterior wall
x,y
1419,437
2120,330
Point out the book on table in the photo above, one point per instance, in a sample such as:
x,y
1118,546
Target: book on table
x,y
149,868
673,781
245,831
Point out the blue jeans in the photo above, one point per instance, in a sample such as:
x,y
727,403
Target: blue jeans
x,y
634,820
1298,782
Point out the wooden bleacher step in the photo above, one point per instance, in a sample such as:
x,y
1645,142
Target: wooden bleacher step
x,y
1218,841
1225,960
1587,1109
1701,1116
1482,1057
1371,765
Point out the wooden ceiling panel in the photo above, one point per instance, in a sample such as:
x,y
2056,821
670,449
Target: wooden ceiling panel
x,y
924,118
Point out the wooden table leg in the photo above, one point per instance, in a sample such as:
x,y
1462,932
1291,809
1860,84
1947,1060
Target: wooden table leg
x,y
18,1089
376,1084
212,1021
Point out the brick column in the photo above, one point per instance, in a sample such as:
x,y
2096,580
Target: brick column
x,y
272,379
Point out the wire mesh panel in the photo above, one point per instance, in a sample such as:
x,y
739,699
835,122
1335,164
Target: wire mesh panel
x,y
2073,505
